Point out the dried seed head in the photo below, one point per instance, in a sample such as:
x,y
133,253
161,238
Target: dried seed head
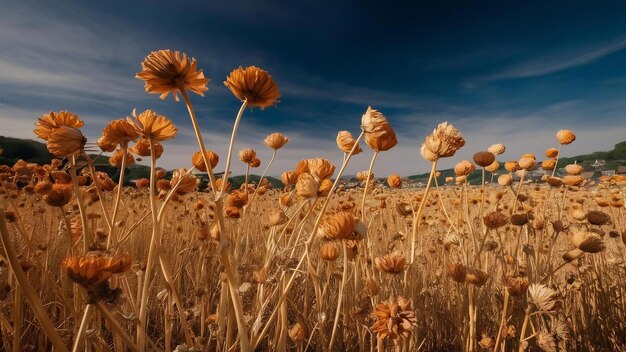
x,y
565,136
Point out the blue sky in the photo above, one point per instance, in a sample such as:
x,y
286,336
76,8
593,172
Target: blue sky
x,y
501,72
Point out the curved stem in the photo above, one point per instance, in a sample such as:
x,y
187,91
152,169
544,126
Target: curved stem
x,y
416,219
118,196
196,129
367,183
231,145
27,290
556,161
262,176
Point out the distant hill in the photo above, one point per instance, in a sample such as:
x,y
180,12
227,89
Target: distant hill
x,y
612,158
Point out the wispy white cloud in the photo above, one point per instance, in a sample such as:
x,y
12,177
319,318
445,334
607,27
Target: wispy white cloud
x,y
556,61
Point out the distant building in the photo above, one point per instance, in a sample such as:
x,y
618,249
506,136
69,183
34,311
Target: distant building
x,y
621,170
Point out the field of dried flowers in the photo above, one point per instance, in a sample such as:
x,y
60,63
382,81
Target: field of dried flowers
x,y
88,264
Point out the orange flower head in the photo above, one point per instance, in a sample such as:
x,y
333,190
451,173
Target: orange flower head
x,y
395,318
276,140
345,142
254,85
198,161
151,125
117,132
48,122
64,141
168,72
379,135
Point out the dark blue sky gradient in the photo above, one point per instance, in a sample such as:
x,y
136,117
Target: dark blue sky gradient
x,y
501,71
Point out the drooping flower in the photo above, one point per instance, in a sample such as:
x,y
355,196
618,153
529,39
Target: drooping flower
x,y
117,132
379,135
48,122
64,141
345,142
198,161
168,72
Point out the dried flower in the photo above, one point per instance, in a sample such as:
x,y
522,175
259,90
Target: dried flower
x,y
588,242
395,318
187,182
58,195
254,85
329,250
442,143
574,169
457,272
548,164
275,140
93,271
116,159
198,161
345,142
150,125
64,141
464,168
565,136
495,220
142,148
476,277
289,178
394,181
307,186
337,226
379,135
484,159
117,132
393,263
552,153
543,297
505,180
496,149
48,122
167,72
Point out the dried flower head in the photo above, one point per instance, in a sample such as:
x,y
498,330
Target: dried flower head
x,y
142,148
476,277
589,242
548,164
150,125
565,136
345,142
307,185
289,178
442,143
574,169
464,168
186,182
496,149
457,272
395,318
254,85
168,72
117,132
48,122
330,250
392,263
275,140
552,153
93,271
320,168
394,181
116,159
495,220
484,159
198,161
505,180
246,155
64,141
337,226
543,297
379,135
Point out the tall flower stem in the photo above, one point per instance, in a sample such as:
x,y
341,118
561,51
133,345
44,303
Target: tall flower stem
x,y
340,295
81,206
556,161
417,217
118,196
232,144
154,240
367,184
219,205
27,290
